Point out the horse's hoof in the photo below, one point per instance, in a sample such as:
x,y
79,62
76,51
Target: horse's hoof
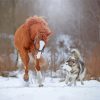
x,y
26,77
26,83
41,85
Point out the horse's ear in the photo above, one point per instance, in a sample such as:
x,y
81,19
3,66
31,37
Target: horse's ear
x,y
31,20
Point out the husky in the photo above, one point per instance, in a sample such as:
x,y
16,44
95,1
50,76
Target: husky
x,y
72,75
75,68
76,54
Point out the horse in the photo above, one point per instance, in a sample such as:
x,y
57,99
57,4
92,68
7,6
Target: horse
x,y
32,37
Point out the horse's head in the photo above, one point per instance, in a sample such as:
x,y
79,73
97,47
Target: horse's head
x,y
39,26
38,30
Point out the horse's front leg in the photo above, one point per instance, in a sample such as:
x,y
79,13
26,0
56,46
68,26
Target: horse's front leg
x,y
39,75
25,58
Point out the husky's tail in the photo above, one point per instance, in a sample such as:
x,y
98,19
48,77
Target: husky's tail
x,y
76,53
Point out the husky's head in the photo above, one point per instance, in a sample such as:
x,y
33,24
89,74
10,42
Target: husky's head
x,y
71,61
66,67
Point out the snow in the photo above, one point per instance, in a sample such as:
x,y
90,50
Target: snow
x,y
14,89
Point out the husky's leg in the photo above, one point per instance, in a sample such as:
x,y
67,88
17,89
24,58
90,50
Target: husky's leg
x,y
68,77
81,79
75,82
82,82
67,80
72,82
82,76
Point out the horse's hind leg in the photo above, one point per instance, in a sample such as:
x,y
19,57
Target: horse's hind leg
x,y
25,59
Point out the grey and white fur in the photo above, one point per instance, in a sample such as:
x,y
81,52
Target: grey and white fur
x,y
77,68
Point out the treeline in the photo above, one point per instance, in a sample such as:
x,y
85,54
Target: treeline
x,y
80,19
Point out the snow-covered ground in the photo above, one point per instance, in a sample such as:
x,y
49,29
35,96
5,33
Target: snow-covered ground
x,y
14,89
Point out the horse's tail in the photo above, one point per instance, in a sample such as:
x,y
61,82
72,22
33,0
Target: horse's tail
x,y
16,62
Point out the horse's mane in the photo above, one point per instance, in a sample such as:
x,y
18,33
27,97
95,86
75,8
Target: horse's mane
x,y
35,19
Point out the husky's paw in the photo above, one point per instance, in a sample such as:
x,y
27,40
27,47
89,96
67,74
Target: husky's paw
x,y
69,85
41,85
82,83
66,82
62,80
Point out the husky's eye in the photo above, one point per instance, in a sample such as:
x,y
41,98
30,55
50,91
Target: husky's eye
x,y
73,61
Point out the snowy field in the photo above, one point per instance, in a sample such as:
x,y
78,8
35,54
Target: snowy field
x,y
14,89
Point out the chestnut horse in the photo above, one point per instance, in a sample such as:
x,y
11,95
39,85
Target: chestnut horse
x,y
31,37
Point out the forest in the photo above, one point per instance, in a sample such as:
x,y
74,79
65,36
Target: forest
x,y
75,24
